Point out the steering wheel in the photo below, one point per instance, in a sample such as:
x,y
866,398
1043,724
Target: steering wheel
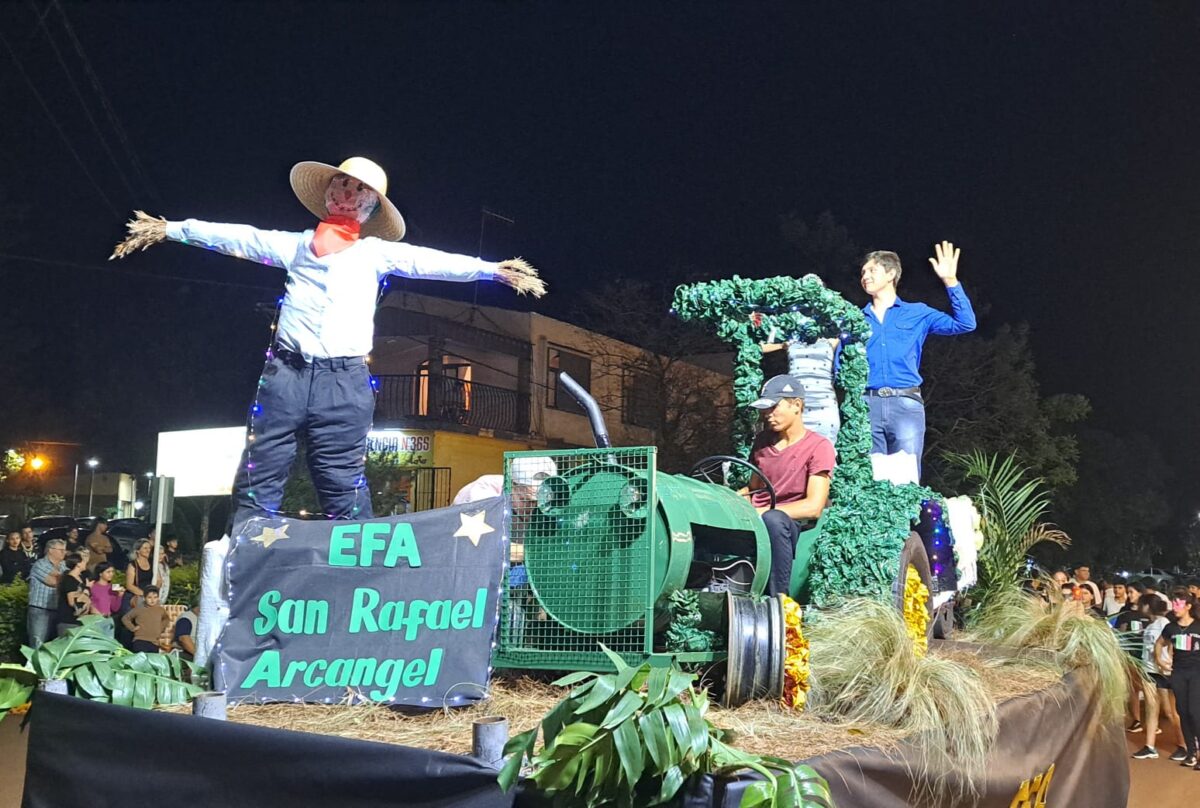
x,y
714,464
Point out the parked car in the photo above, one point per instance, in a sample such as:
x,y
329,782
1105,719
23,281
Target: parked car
x,y
41,524
1161,576
124,532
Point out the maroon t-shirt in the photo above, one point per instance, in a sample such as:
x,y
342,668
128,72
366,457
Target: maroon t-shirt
x,y
789,470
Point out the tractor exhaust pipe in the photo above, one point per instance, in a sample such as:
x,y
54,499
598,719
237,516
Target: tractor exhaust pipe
x,y
599,430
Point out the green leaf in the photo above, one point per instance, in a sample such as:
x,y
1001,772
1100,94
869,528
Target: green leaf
x,y
18,673
576,734
554,720
698,729
760,792
13,693
122,687
143,692
678,722
558,775
618,663
657,737
679,681
159,663
656,685
137,662
602,690
585,768
623,710
517,748
671,783
86,678
605,756
630,751
104,672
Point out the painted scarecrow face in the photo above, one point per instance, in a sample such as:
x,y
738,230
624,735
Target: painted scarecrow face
x,y
349,197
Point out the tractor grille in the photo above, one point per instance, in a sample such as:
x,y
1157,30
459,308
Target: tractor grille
x,y
582,563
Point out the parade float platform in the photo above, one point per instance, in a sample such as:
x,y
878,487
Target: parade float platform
x,y
1050,742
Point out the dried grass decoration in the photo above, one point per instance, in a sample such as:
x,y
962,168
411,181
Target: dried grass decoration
x,y
1061,636
795,661
866,670
916,610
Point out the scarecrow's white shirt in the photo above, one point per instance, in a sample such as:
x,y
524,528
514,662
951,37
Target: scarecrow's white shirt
x,y
329,307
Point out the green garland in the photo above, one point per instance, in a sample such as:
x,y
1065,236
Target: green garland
x,y
684,632
867,521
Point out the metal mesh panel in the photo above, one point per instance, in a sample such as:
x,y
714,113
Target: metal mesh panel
x,y
585,545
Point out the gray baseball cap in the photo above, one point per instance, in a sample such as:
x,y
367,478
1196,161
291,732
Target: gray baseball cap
x,y
776,389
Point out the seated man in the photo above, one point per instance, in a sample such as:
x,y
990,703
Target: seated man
x,y
798,462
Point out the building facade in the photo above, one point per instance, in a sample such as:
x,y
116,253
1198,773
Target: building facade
x,y
462,384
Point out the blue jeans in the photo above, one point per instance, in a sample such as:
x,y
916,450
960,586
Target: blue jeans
x,y
783,531
897,425
40,625
330,402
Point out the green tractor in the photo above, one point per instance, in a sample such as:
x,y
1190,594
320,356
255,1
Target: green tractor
x,y
609,551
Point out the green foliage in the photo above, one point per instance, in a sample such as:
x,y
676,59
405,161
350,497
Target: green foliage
x,y
16,686
865,669
185,584
633,738
1063,633
982,394
382,471
1011,506
97,667
14,604
684,632
867,521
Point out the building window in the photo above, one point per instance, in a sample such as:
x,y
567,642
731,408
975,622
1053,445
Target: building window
x,y
580,369
640,399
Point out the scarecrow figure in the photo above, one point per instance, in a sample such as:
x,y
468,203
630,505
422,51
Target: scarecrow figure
x,y
316,379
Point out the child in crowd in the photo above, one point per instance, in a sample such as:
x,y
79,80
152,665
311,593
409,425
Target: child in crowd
x,y
105,600
1177,652
147,622
1157,690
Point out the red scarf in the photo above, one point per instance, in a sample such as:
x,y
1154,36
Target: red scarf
x,y
334,234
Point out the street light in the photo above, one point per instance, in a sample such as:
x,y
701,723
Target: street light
x,y
37,463
92,463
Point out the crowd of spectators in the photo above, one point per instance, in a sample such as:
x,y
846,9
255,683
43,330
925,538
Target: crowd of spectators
x,y
1159,624
70,578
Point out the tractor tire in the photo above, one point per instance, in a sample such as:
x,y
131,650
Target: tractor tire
x,y
913,554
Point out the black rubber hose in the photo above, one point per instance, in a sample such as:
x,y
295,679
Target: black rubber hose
x,y
599,430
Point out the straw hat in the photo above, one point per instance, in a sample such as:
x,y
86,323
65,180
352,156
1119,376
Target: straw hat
x,y
310,179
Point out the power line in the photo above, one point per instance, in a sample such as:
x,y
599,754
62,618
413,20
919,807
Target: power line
x,y
108,108
66,141
79,95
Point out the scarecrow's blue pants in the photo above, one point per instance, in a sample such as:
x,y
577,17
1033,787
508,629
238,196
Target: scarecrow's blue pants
x,y
331,403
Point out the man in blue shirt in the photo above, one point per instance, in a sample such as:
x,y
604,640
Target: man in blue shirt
x,y
42,615
898,332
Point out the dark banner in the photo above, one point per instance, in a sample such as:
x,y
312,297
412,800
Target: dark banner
x,y
399,610
1051,750
100,755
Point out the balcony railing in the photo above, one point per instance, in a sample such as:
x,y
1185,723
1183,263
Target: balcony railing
x,y
446,400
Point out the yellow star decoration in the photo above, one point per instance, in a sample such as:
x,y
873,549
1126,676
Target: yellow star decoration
x,y
271,535
473,527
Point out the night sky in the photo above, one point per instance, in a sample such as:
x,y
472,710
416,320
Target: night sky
x,y
1055,142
